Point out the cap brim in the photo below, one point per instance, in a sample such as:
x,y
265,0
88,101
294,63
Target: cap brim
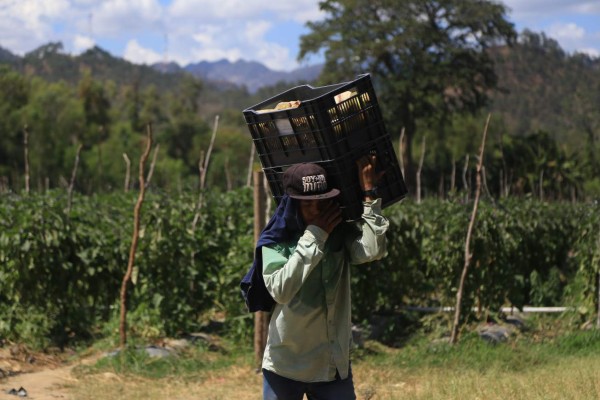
x,y
322,196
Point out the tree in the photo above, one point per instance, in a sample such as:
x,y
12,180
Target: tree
x,y
13,99
55,119
184,124
427,57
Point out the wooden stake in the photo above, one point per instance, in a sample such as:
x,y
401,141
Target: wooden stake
x,y
468,254
598,280
203,167
464,177
152,164
127,172
598,316
269,201
200,200
250,164
134,242
485,185
261,318
72,182
26,157
228,178
453,176
208,153
401,151
542,185
419,171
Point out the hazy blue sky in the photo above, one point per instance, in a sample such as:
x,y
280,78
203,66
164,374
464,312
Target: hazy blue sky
x,y
184,31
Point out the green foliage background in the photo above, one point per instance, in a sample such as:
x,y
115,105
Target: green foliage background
x,y
543,138
537,239
60,272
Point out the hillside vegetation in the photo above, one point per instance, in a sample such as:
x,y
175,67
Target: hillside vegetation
x,y
544,129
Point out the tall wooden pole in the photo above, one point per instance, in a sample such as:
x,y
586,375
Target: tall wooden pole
x,y
401,145
598,280
72,182
468,254
26,156
127,172
261,318
134,241
419,170
203,167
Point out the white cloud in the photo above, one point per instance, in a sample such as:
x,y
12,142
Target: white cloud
x,y
533,8
574,24
256,30
198,30
135,53
27,24
209,11
592,52
569,32
194,29
299,10
114,17
82,43
574,38
235,29
203,38
274,56
211,54
214,43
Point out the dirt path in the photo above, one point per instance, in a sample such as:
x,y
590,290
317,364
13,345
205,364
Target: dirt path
x,y
46,381
47,384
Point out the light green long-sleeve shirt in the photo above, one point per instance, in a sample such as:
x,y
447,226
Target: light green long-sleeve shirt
x,y
310,328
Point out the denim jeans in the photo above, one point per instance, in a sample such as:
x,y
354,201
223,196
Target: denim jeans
x,y
277,387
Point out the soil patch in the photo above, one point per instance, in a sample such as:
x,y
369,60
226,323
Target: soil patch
x,y
42,376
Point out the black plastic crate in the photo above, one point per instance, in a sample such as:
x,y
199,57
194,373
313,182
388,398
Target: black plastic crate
x,y
323,127
343,174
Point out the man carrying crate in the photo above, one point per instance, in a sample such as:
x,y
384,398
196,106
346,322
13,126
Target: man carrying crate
x,y
306,252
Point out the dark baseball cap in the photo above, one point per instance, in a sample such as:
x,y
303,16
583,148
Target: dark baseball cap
x,y
307,181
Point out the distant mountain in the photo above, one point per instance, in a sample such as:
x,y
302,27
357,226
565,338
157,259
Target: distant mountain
x,y
542,87
51,62
7,57
169,68
251,74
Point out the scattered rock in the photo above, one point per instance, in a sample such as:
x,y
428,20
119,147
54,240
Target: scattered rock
x,y
152,351
155,351
211,341
21,392
494,333
176,344
516,321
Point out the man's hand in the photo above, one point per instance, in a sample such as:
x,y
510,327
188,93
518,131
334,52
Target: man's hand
x,y
367,176
326,214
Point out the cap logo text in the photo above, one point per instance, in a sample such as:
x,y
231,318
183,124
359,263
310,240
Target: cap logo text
x,y
314,183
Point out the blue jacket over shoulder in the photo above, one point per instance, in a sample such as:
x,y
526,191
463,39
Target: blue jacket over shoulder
x,y
285,225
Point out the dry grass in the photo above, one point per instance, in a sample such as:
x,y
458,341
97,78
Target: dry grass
x,y
232,383
576,379
571,378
